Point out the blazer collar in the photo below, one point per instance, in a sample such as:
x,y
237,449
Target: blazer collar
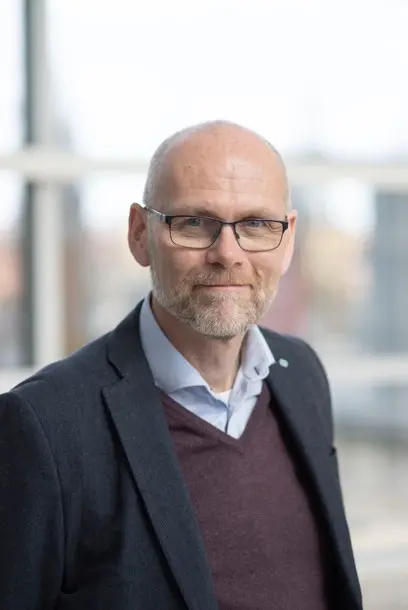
x,y
135,405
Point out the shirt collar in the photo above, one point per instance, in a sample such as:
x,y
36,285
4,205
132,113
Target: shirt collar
x,y
172,372
256,355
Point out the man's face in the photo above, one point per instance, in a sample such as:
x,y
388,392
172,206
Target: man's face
x,y
222,290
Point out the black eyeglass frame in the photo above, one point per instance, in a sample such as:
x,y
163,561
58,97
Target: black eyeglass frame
x,y
168,219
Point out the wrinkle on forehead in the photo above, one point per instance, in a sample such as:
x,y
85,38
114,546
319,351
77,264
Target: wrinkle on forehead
x,y
240,178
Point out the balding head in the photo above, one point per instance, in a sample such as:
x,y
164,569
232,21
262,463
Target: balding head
x,y
217,147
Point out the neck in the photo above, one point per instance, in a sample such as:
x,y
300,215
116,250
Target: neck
x,y
217,360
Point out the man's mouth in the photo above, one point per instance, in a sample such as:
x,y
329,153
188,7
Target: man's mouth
x,y
224,286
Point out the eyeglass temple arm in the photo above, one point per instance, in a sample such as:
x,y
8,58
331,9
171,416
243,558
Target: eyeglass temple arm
x,y
150,210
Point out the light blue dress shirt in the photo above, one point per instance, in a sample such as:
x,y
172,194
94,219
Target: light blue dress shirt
x,y
173,374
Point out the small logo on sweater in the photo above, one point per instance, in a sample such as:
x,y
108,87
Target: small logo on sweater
x,y
283,363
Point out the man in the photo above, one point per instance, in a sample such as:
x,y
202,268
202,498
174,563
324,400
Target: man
x,y
185,460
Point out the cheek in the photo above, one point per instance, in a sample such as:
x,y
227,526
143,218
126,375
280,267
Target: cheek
x,y
174,264
270,269
186,262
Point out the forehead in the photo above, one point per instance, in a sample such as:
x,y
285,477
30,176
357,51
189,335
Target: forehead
x,y
222,177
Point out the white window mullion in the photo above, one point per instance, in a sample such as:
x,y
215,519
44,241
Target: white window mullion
x,y
48,274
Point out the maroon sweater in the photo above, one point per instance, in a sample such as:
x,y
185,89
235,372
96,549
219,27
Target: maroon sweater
x,y
259,531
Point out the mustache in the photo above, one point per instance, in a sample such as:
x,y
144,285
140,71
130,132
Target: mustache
x,y
228,278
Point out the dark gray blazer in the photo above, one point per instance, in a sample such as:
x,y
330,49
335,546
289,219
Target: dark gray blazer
x,y
94,512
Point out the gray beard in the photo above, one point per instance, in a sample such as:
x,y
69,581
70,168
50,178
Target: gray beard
x,y
204,318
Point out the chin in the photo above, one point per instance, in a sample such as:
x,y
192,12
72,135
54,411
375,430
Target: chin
x,y
222,324
220,332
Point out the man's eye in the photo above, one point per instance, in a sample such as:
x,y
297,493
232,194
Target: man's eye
x,y
255,223
193,221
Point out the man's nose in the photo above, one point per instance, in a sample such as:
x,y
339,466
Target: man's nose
x,y
226,250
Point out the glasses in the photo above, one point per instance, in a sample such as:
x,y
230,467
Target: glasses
x,y
201,232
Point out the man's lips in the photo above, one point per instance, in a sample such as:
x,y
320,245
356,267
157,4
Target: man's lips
x,y
224,286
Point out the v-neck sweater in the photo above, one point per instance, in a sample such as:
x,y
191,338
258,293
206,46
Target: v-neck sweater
x,y
262,536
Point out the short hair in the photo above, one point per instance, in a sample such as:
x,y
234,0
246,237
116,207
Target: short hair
x,y
159,156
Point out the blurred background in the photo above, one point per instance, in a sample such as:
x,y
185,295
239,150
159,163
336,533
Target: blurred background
x,y
87,92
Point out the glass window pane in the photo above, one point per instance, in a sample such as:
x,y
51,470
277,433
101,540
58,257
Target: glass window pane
x,y
347,290
316,78
105,282
12,324
11,52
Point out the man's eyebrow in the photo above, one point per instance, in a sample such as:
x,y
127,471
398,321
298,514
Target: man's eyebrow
x,y
192,209
261,213
189,209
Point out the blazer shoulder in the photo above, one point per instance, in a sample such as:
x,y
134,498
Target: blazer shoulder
x,y
69,381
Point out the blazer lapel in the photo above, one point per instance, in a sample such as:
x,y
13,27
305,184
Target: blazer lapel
x,y
137,412
301,417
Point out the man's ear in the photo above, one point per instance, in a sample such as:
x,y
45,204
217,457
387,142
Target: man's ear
x,y
137,235
291,242
288,257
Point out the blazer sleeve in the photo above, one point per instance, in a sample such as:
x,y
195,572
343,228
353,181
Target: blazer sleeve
x,y
31,518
